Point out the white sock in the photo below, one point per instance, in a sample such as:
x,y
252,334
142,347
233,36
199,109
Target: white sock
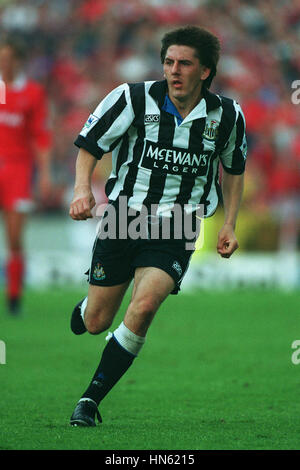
x,y
82,308
129,340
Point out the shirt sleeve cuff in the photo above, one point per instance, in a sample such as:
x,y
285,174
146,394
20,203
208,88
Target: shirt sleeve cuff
x,y
234,171
93,149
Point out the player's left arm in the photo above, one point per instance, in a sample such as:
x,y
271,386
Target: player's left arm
x,y
233,159
232,188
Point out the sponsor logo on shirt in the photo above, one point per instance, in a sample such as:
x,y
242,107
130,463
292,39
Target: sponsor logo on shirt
x,y
149,118
174,160
11,119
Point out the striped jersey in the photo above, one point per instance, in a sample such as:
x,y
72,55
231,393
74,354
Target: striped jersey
x,y
158,159
23,122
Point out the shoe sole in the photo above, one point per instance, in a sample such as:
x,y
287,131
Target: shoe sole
x,y
79,422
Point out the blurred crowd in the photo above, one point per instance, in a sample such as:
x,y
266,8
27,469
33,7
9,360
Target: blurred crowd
x,y
81,49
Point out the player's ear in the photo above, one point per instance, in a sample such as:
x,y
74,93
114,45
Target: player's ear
x,y
205,71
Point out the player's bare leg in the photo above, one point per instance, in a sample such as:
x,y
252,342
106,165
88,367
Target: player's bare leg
x,y
14,226
95,313
151,287
102,306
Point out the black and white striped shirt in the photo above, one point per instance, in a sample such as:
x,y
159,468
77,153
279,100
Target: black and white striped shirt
x,y
157,161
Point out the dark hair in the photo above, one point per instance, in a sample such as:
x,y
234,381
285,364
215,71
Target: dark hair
x,y
16,44
207,46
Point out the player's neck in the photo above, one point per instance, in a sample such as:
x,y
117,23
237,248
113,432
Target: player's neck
x,y
186,105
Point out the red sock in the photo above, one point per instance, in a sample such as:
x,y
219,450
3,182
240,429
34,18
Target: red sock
x,y
14,275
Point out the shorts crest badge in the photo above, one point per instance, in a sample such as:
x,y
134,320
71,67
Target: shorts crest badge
x,y
99,273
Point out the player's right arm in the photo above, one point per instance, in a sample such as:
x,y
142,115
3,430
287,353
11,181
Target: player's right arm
x,y
100,134
83,199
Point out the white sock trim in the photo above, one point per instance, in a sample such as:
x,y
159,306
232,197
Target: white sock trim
x,y
129,340
88,399
82,308
109,335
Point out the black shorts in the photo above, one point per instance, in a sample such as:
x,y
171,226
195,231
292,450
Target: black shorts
x,y
114,260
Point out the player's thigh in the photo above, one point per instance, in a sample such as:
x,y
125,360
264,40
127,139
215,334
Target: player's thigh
x,y
14,225
103,304
152,281
151,287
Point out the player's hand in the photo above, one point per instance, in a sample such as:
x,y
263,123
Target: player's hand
x,y
227,242
82,203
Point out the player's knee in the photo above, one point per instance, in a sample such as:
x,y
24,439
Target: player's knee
x,y
94,327
95,324
144,307
140,314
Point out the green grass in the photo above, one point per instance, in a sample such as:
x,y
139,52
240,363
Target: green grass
x,y
215,373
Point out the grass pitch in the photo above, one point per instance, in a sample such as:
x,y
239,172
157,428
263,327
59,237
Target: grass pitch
x,y
215,373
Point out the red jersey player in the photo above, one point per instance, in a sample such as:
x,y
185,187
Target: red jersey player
x,y
24,140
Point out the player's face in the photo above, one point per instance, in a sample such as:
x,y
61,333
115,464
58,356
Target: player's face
x,y
184,73
8,61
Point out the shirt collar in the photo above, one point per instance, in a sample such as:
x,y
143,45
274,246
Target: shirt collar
x,y
210,101
169,107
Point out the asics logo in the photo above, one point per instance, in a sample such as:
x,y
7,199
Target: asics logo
x,y
151,118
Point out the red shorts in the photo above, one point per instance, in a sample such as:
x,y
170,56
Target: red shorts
x,y
15,186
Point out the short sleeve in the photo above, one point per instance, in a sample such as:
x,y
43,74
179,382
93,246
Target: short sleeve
x,y
233,156
108,123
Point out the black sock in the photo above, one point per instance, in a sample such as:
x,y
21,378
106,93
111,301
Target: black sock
x,y
114,363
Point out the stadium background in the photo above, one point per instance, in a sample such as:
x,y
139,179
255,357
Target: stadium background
x,y
81,49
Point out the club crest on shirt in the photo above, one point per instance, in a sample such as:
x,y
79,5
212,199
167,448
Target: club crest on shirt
x,y
211,130
99,273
